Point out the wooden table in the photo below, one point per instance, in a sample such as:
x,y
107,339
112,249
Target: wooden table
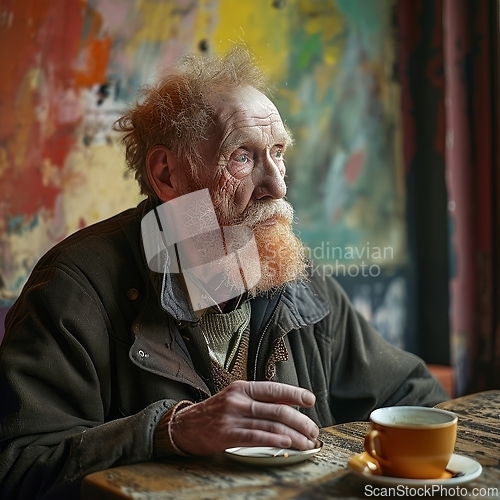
x,y
323,476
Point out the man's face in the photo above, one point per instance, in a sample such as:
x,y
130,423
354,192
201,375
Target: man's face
x,y
244,171
244,152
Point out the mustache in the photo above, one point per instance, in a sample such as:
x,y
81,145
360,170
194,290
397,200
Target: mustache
x,y
261,211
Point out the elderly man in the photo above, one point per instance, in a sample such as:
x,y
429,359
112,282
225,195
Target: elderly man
x,y
107,361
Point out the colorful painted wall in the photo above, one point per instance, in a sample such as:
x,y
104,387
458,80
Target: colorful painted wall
x,y
70,67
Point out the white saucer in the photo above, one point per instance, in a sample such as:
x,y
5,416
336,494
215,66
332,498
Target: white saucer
x,y
458,463
268,456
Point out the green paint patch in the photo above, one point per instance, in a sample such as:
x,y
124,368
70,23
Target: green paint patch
x,y
311,48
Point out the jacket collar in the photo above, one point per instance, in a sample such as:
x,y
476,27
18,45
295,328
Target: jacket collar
x,y
296,307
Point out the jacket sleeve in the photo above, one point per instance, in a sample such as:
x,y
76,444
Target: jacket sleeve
x,y
55,393
366,371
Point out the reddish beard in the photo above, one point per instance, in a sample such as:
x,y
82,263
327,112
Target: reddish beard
x,y
282,255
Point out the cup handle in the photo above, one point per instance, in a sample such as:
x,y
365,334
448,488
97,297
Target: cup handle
x,y
370,448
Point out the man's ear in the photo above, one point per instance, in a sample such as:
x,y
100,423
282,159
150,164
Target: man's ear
x,y
160,166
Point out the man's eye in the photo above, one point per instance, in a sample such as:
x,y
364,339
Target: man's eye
x,y
279,154
241,158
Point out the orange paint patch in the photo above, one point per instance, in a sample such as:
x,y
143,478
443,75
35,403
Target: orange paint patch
x,y
94,57
96,63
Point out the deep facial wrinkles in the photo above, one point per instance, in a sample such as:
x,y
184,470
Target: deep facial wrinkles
x,y
228,144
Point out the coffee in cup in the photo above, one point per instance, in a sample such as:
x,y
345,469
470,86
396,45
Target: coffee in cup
x,y
412,441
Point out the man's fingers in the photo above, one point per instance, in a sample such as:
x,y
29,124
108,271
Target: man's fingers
x,y
258,437
287,416
298,440
274,392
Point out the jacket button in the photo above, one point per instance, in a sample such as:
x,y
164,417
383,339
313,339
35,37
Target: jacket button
x,y
132,294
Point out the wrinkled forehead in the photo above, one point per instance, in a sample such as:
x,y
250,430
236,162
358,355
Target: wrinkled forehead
x,y
244,114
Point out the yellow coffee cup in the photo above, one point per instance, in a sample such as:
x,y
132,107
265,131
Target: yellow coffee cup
x,y
412,441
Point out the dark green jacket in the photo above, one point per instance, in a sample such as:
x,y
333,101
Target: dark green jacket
x,y
97,348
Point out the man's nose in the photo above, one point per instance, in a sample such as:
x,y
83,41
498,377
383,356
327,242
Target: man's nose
x,y
269,179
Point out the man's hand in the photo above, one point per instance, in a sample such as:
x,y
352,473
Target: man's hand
x,y
246,414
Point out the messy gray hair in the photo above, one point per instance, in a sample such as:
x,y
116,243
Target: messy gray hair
x,y
175,112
